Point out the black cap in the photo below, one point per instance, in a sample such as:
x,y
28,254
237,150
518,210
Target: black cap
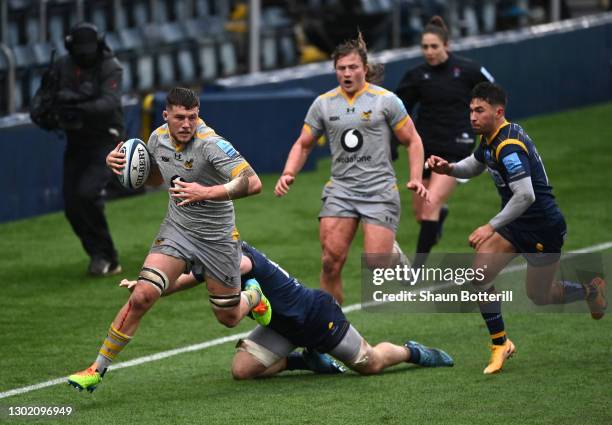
x,y
84,40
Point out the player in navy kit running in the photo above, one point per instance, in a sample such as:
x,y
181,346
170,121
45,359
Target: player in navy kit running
x,y
529,223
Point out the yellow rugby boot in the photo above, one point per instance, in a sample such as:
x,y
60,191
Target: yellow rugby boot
x,y
598,304
499,354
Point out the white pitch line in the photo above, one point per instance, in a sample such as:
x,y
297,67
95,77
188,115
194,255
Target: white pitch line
x,y
229,338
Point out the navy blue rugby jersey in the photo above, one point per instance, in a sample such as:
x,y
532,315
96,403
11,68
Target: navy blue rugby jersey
x,y
510,155
291,302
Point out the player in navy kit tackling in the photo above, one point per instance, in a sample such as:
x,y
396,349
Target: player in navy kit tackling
x,y
304,317
529,223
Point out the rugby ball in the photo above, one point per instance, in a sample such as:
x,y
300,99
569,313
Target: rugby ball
x,y
137,164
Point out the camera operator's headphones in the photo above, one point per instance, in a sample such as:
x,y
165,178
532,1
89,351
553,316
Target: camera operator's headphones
x,y
69,40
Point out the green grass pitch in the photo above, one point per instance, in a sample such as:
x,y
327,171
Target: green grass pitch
x,y
53,318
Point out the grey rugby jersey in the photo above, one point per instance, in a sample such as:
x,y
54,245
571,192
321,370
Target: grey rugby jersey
x,y
358,131
209,160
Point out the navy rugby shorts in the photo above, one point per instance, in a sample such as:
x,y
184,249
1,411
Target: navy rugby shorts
x,y
540,246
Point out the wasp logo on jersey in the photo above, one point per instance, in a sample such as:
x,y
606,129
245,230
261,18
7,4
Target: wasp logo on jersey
x,y
189,164
351,140
366,116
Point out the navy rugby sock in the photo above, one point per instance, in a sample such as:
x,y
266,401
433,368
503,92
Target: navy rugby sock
x,y
573,291
443,215
427,239
295,361
491,313
415,355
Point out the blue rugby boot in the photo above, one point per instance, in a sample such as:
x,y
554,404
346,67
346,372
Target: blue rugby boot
x,y
428,357
321,363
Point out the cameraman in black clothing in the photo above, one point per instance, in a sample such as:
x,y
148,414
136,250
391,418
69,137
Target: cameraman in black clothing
x,y
89,109
442,87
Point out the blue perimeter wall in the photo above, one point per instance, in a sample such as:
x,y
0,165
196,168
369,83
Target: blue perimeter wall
x,y
544,69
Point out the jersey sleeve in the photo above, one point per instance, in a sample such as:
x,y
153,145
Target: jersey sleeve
x,y
152,146
314,118
515,161
226,160
395,111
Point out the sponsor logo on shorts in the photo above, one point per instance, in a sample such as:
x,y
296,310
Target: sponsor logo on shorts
x,y
351,140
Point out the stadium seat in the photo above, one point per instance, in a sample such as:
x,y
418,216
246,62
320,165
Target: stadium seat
x,y
141,15
13,33
120,16
32,29
181,10
227,55
56,28
99,18
202,8
171,33
186,66
165,69
207,60
127,79
112,40
41,53
145,73
287,49
268,50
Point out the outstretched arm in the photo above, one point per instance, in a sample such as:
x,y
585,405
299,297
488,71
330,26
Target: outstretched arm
x,y
295,161
466,168
408,136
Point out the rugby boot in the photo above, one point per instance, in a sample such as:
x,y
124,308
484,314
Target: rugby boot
x,y
321,363
262,312
430,357
87,379
403,260
499,354
597,303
